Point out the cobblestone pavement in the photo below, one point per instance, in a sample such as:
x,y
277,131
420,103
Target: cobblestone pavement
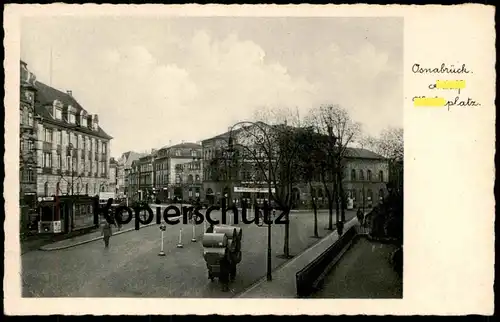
x,y
131,266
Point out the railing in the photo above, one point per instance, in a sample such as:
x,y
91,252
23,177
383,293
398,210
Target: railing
x,y
310,277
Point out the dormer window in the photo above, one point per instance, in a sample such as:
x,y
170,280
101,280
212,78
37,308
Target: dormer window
x,y
71,118
84,119
58,114
89,121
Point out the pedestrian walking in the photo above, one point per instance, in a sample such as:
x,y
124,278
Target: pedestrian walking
x,y
106,233
360,217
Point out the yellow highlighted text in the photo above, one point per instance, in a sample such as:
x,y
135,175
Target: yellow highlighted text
x,y
429,101
450,84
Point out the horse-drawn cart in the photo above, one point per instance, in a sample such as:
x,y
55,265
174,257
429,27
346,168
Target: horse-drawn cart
x,y
222,252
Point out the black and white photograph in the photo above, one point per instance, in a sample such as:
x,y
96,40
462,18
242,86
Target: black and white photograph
x,y
211,157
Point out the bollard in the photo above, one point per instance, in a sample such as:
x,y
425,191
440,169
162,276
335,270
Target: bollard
x,y
179,245
194,234
162,253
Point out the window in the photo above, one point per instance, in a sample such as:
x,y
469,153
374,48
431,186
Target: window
x,y
190,178
197,178
47,160
178,153
369,194
84,120
58,113
103,147
78,188
21,117
369,175
75,140
381,176
353,175
361,175
58,189
30,119
68,189
95,188
193,153
59,161
71,118
48,135
46,189
381,194
30,175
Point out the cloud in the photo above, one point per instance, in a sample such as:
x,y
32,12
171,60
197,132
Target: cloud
x,y
224,82
193,86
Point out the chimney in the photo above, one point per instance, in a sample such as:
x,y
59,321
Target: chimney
x,y
70,93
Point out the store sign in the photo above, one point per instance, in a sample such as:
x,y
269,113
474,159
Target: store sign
x,y
255,190
45,198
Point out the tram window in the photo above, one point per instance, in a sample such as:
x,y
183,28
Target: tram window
x,y
47,213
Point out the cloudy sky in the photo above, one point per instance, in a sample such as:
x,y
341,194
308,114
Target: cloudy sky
x,y
158,80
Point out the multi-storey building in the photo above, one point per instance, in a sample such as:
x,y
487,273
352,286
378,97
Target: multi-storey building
x,y
72,149
27,140
160,175
113,178
123,170
364,179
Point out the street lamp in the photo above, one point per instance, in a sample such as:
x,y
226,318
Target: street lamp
x,y
231,151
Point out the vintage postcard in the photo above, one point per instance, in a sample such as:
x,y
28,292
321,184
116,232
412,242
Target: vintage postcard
x,y
191,159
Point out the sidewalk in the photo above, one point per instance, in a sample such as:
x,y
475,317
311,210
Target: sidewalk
x,y
283,283
90,237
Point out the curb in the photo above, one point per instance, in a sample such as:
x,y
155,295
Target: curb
x,y
43,248
264,279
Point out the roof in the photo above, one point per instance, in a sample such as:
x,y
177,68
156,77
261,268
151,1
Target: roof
x,y
236,131
362,154
187,145
46,96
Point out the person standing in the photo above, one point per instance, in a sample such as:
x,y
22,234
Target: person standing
x,y
360,217
106,233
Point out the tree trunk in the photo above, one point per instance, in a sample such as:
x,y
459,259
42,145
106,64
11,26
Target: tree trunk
x,y
342,200
330,213
286,245
315,208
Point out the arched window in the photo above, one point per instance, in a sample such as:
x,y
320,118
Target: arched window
x,y
46,189
381,176
197,178
361,175
77,188
103,188
369,194
369,175
353,174
190,178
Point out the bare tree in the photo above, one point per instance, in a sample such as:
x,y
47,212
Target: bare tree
x,y
270,143
335,123
389,144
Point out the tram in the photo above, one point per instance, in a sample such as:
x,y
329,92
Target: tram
x,y
65,214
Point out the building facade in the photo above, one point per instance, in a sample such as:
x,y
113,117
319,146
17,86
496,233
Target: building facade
x,y
162,176
124,164
113,177
240,178
72,149
27,140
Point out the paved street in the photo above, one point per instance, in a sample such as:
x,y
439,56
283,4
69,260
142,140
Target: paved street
x,y
132,267
364,272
